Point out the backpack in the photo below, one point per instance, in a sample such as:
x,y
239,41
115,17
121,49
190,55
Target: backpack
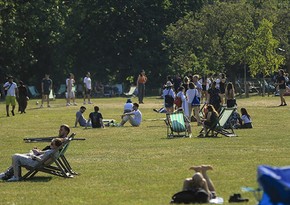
x,y
190,196
178,101
169,100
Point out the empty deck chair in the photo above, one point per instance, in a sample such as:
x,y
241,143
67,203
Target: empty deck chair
x,y
176,125
131,91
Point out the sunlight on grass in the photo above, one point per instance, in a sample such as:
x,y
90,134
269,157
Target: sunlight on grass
x,y
130,165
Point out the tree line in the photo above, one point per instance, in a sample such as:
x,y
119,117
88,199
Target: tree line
x,y
114,40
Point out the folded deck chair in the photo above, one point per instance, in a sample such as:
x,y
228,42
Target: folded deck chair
x,y
176,125
275,182
52,164
131,91
218,127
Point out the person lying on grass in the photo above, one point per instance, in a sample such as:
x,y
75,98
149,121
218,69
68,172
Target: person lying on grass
x,y
200,180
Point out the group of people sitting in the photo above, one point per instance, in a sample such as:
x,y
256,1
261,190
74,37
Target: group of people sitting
x,y
131,114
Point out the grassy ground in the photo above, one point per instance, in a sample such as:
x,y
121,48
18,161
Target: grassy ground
x,y
139,165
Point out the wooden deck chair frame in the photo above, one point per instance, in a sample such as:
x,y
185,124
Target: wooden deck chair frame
x,y
55,165
176,125
131,91
218,127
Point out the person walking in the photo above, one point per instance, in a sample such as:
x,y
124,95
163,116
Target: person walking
x,y
23,97
87,88
11,91
142,79
46,87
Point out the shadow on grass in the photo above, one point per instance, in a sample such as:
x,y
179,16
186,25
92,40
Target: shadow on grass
x,y
39,179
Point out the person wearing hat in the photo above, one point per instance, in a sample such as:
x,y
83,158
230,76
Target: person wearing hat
x,y
168,96
11,91
128,107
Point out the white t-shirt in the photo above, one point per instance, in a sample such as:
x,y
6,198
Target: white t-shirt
x,y
11,90
128,107
88,82
246,119
190,94
138,117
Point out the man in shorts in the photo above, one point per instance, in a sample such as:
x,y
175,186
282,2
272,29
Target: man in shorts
x,y
11,91
134,117
46,87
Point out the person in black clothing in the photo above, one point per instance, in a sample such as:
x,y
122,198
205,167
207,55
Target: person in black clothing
x,y
22,97
213,96
96,118
281,83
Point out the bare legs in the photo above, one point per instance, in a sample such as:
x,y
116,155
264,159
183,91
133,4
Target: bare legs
x,y
200,179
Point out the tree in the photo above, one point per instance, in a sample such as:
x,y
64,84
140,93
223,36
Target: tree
x,y
262,55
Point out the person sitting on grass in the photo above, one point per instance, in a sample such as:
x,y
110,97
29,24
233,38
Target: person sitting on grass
x,y
211,119
200,180
128,107
80,118
245,121
96,118
30,159
134,121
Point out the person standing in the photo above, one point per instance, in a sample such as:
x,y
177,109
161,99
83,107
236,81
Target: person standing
x,y
70,89
142,79
87,88
281,83
11,91
46,87
23,97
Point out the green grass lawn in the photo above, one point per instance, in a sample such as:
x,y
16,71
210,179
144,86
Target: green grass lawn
x,y
126,165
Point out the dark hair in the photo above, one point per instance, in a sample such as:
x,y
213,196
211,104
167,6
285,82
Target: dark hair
x,y
212,109
66,127
181,88
83,107
229,86
96,108
245,112
282,72
57,142
136,105
191,85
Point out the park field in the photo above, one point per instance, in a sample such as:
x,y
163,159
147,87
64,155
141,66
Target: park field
x,y
138,165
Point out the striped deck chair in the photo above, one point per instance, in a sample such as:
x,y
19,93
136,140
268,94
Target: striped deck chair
x,y
176,125
218,127
52,164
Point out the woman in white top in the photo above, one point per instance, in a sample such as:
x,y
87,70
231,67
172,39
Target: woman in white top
x,y
70,89
184,104
245,120
128,107
190,94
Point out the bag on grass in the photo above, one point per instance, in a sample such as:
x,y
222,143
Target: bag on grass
x,y
187,197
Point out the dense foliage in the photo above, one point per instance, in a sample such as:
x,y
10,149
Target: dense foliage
x,y
114,40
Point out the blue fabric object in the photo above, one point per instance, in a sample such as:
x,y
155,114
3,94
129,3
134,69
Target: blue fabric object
x,y
275,182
